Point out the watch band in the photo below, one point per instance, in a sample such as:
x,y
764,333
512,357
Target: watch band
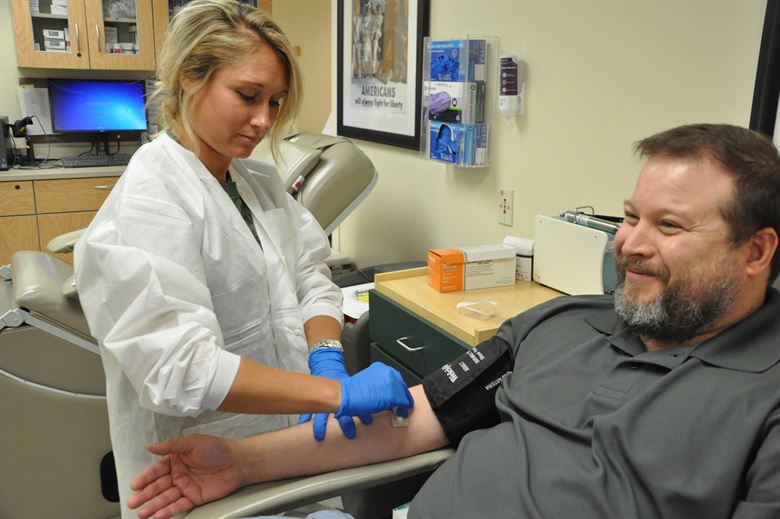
x,y
328,343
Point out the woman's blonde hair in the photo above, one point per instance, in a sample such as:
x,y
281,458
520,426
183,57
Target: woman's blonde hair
x,y
206,34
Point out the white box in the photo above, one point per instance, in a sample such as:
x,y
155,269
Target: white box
x,y
468,268
111,35
53,35
58,45
60,10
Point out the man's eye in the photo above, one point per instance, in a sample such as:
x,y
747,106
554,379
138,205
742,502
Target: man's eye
x,y
630,218
666,224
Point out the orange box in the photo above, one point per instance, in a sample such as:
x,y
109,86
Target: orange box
x,y
445,269
466,268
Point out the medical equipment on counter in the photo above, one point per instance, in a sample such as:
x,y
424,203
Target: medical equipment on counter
x,y
575,253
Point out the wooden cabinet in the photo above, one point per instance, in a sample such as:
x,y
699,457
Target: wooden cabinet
x,y
33,212
91,28
416,329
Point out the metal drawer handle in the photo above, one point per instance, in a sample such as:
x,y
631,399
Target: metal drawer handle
x,y
102,187
401,343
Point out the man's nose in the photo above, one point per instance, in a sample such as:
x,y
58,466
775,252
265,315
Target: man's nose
x,y
634,240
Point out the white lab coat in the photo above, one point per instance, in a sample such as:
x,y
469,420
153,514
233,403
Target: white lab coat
x,y
176,289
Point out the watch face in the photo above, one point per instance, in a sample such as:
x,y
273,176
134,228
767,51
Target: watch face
x,y
329,343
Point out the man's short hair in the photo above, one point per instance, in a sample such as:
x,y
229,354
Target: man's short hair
x,y
752,160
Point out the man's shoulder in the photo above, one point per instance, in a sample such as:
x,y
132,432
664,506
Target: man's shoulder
x,y
562,311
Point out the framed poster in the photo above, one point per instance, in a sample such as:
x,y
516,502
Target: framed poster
x,y
379,67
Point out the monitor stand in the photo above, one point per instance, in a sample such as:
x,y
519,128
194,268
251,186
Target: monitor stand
x,y
101,145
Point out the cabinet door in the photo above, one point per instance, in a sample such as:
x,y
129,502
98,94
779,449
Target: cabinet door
x,y
120,34
16,198
35,50
17,233
74,194
52,225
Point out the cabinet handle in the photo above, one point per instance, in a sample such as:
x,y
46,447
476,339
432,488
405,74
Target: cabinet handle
x,y
97,32
401,343
78,41
102,187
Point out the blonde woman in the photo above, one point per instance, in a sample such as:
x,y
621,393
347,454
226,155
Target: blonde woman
x,y
202,280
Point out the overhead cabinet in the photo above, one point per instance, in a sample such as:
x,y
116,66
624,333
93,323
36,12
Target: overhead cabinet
x,y
85,34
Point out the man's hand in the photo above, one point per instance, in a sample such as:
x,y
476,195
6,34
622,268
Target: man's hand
x,y
194,470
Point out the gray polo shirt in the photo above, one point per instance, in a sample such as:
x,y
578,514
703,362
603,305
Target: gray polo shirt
x,y
596,427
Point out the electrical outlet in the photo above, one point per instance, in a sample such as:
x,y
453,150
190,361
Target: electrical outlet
x,y
506,206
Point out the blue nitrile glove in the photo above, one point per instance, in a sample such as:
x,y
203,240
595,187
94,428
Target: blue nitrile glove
x,y
377,388
329,362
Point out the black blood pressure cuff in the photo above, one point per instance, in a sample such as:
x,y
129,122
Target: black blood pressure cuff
x,y
462,392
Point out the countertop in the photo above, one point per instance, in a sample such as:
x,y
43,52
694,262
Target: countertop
x,y
410,289
58,173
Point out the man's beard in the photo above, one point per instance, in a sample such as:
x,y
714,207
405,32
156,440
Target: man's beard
x,y
683,310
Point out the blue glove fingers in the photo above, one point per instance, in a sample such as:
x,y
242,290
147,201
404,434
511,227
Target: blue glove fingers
x,y
376,388
347,426
303,418
403,411
320,426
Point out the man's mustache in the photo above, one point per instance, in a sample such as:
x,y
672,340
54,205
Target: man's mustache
x,y
641,266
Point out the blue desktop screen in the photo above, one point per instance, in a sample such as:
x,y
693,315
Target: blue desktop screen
x,y
79,105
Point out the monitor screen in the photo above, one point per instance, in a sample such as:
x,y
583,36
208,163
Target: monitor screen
x,y
84,105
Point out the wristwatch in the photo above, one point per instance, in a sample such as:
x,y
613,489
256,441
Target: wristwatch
x,y
328,343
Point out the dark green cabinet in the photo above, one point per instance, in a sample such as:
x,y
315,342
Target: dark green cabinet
x,y
406,341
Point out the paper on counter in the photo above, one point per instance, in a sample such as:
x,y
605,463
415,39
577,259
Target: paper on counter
x,y
356,300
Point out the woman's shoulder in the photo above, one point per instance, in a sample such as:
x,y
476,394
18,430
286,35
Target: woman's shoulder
x,y
156,172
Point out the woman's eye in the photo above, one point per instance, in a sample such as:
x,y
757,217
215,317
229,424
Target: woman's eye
x,y
244,96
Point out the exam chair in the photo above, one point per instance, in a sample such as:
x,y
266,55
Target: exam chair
x,y
56,450
327,174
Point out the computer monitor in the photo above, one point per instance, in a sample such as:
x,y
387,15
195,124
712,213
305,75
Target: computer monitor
x,y
86,105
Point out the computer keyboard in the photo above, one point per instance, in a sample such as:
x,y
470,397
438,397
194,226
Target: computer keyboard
x,y
87,161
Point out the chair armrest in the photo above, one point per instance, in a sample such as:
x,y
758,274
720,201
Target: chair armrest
x,y
64,242
278,496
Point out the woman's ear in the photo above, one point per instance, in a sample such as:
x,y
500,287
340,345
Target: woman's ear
x,y
185,82
761,249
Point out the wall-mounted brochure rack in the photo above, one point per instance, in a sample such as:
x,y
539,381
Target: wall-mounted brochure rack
x,y
454,121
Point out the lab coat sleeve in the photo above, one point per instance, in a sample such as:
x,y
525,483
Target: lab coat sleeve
x,y
140,278
318,295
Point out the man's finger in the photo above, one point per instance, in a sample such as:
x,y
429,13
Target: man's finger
x,y
153,472
164,504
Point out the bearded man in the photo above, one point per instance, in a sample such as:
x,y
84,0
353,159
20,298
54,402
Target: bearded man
x,y
660,402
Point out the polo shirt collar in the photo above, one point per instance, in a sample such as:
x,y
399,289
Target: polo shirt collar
x,y
751,345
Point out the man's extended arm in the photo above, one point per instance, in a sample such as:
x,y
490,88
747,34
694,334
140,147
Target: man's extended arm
x,y
199,469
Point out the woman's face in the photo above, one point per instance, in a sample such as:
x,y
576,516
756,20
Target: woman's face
x,y
232,113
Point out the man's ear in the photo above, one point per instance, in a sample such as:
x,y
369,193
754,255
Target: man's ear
x,y
761,249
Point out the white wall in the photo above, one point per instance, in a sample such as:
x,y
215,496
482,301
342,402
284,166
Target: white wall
x,y
601,74
307,25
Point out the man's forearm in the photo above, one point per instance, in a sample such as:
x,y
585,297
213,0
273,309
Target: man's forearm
x,y
292,452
